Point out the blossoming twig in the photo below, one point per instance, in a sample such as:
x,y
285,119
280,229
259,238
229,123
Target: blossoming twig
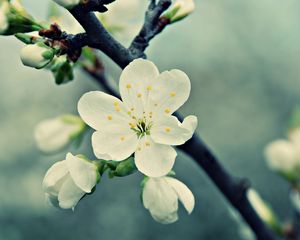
x,y
233,189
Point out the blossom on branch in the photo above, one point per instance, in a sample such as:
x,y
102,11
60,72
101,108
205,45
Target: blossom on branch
x,y
51,135
67,181
160,196
142,123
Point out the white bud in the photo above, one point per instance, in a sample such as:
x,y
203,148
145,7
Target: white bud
x,y
67,3
37,55
67,181
161,195
4,9
52,135
282,156
180,10
261,207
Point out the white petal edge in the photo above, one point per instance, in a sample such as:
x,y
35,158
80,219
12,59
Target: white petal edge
x,y
54,174
69,194
168,130
111,146
98,110
185,195
83,173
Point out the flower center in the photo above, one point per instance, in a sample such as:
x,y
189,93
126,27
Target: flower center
x,y
141,126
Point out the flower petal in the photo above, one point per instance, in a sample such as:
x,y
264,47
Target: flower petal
x,y
54,178
183,192
53,134
168,130
136,82
99,110
170,91
154,160
83,173
114,146
69,194
161,200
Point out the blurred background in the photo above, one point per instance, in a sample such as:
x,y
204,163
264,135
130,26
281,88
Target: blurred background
x,y
243,61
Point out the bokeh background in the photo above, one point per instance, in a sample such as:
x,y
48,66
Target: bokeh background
x,y
243,61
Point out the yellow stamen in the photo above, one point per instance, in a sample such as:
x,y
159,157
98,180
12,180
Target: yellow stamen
x,y
147,144
167,110
173,94
128,86
167,129
122,138
139,95
109,117
149,88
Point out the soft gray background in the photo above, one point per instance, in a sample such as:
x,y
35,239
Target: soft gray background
x,y
243,60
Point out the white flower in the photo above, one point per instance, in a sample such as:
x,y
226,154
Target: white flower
x,y
54,134
37,55
142,123
4,10
67,3
261,208
161,195
180,10
282,156
67,181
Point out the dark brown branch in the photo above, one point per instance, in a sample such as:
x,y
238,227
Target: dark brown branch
x,y
98,37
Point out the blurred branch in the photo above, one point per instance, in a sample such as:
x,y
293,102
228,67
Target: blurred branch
x,y
97,37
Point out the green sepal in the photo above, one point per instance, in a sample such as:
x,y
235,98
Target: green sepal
x,y
125,168
28,39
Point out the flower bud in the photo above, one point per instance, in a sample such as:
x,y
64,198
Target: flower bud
x,y
125,168
161,195
52,135
62,70
37,55
67,3
180,10
67,181
14,18
263,209
282,156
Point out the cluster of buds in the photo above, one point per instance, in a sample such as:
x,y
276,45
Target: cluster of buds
x,y
14,18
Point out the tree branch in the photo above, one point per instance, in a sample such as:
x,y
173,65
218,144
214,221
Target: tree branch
x,y
98,37
153,25
232,188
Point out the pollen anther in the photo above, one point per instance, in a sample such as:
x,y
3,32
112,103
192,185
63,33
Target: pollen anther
x,y
128,86
109,117
173,94
168,129
167,110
